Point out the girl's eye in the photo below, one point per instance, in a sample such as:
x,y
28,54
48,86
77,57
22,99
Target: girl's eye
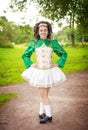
x,y
43,30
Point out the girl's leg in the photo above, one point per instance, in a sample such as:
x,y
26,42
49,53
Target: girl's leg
x,y
41,109
45,102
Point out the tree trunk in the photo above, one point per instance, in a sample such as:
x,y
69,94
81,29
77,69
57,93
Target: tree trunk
x,y
72,30
83,39
72,40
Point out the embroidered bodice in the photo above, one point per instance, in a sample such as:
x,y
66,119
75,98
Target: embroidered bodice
x,y
43,49
43,56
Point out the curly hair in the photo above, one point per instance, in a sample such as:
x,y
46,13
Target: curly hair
x,y
36,29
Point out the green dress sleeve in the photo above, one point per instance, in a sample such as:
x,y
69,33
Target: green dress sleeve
x,y
27,54
58,49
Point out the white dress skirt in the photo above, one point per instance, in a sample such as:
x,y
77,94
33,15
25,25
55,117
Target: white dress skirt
x,y
44,75
43,78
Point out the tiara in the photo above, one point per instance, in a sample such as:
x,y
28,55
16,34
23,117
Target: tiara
x,y
42,24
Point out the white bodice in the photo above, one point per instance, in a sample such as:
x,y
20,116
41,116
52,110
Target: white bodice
x,y
44,56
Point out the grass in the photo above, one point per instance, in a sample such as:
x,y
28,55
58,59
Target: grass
x,y
77,59
11,64
6,96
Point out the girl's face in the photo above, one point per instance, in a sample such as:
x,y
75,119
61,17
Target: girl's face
x,y
43,32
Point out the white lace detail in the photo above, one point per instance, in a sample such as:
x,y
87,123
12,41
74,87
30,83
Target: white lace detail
x,y
44,55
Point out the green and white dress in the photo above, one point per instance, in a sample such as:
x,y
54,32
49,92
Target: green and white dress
x,y
44,74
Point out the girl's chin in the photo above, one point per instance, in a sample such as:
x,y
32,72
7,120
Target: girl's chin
x,y
43,37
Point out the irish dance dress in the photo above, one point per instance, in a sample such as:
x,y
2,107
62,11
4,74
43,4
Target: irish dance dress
x,y
44,74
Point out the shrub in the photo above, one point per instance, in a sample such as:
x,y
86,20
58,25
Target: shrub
x,y
6,45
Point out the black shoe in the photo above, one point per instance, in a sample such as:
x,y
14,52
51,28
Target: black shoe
x,y
45,120
42,116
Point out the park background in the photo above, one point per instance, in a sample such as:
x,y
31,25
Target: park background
x,y
70,24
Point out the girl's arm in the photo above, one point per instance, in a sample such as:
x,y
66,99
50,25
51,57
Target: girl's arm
x,y
58,49
27,54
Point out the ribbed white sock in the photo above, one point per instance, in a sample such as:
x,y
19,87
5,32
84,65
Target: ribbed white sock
x,y
41,110
47,110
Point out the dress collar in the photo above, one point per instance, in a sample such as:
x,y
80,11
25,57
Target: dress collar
x,y
44,40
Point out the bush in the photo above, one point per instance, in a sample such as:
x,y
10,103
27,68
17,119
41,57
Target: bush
x,y
6,45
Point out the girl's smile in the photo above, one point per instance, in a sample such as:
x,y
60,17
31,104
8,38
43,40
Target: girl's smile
x,y
43,32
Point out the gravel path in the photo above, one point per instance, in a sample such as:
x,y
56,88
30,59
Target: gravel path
x,y
69,103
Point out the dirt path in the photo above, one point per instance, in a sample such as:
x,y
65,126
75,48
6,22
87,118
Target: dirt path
x,y
69,106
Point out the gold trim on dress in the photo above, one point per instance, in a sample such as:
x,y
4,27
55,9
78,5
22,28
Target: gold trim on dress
x,y
48,85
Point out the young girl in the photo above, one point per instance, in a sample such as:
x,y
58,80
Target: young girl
x,y
44,74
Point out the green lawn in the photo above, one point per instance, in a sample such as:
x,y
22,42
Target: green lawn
x,y
11,64
77,59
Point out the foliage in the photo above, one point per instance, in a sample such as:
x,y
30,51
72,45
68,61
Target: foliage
x,y
11,33
6,96
17,4
5,44
75,10
5,33
57,9
22,34
82,17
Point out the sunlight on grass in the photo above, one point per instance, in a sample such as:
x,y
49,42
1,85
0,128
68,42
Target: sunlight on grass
x,y
20,45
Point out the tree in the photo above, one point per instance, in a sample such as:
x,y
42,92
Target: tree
x,y
82,19
76,10
10,32
5,32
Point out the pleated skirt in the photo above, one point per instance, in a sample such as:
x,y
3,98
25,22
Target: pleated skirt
x,y
44,78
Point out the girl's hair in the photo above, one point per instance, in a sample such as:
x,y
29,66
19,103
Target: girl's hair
x,y
36,29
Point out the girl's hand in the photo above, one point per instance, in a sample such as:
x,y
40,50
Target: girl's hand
x,y
54,65
34,65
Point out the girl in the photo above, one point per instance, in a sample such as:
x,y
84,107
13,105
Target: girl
x,y
44,74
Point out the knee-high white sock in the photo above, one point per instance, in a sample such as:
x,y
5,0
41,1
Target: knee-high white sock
x,y
47,110
41,110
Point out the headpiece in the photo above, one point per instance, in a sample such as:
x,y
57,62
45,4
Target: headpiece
x,y
42,24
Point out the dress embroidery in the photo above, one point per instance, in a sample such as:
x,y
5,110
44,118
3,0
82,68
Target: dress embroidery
x,y
43,55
